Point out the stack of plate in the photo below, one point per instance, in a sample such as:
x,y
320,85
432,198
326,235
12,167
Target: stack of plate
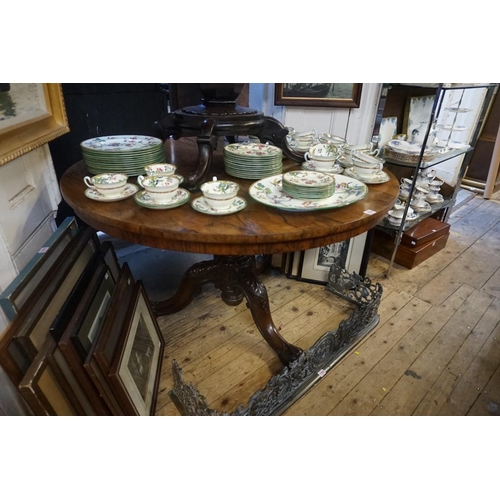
x,y
307,185
252,160
128,154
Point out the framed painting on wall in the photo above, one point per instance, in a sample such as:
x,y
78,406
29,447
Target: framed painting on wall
x,y
331,95
31,114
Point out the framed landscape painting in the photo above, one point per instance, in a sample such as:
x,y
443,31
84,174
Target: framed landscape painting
x,y
31,114
332,95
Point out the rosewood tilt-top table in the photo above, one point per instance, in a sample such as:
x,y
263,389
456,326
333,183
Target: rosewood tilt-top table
x,y
234,240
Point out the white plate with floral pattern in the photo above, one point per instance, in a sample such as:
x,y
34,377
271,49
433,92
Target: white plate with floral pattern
x,y
121,143
252,149
269,192
128,191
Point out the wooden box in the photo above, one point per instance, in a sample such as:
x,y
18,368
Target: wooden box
x,y
425,231
383,244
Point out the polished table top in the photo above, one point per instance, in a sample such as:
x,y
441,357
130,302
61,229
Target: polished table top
x,y
257,229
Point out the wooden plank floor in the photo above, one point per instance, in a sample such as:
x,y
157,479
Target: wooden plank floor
x,y
436,350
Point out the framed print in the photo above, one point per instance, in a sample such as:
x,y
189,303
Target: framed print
x,y
25,335
45,388
16,294
79,322
331,95
31,114
314,265
103,350
55,289
417,116
136,369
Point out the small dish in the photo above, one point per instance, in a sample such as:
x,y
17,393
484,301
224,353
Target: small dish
x,y
378,178
201,205
143,199
335,169
128,191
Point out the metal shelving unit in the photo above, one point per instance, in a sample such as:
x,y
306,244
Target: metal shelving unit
x,y
439,93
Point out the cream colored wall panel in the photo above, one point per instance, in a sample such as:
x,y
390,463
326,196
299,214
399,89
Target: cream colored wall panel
x,y
27,197
8,270
33,244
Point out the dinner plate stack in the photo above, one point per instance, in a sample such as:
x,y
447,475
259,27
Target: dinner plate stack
x,y
250,160
127,154
308,185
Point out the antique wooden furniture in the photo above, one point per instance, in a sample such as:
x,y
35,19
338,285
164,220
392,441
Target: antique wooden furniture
x,y
233,240
219,115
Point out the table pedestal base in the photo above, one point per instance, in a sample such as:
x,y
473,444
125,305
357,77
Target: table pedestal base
x,y
283,389
236,278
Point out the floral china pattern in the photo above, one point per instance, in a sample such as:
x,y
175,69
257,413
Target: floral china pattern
x,y
253,149
308,178
119,143
102,179
269,192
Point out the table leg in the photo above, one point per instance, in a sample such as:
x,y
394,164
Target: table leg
x,y
236,279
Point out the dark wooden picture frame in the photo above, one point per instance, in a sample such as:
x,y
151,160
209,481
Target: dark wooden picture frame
x,y
82,317
135,372
58,285
19,291
23,337
102,352
46,388
329,95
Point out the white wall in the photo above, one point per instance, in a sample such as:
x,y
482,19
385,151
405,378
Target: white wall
x,y
354,124
29,198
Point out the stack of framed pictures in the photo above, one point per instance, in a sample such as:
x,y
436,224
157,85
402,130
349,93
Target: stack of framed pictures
x,y
82,338
313,265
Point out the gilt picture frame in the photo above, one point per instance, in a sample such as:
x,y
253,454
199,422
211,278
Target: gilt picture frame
x,y
330,95
31,114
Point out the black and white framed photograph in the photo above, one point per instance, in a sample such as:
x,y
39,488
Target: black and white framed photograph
x,y
314,265
135,371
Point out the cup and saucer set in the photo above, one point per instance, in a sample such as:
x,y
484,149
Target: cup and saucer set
x,y
323,157
219,198
161,189
395,216
364,166
109,187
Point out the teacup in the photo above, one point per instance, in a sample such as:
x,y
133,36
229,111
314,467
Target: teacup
x,y
308,134
160,169
398,210
219,194
367,148
109,185
323,151
159,187
322,164
366,165
331,139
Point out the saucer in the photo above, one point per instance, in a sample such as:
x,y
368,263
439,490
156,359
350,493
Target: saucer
x,y
128,191
143,199
433,200
336,169
378,178
421,208
201,205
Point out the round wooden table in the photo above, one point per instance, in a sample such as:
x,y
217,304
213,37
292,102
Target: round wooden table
x,y
233,239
